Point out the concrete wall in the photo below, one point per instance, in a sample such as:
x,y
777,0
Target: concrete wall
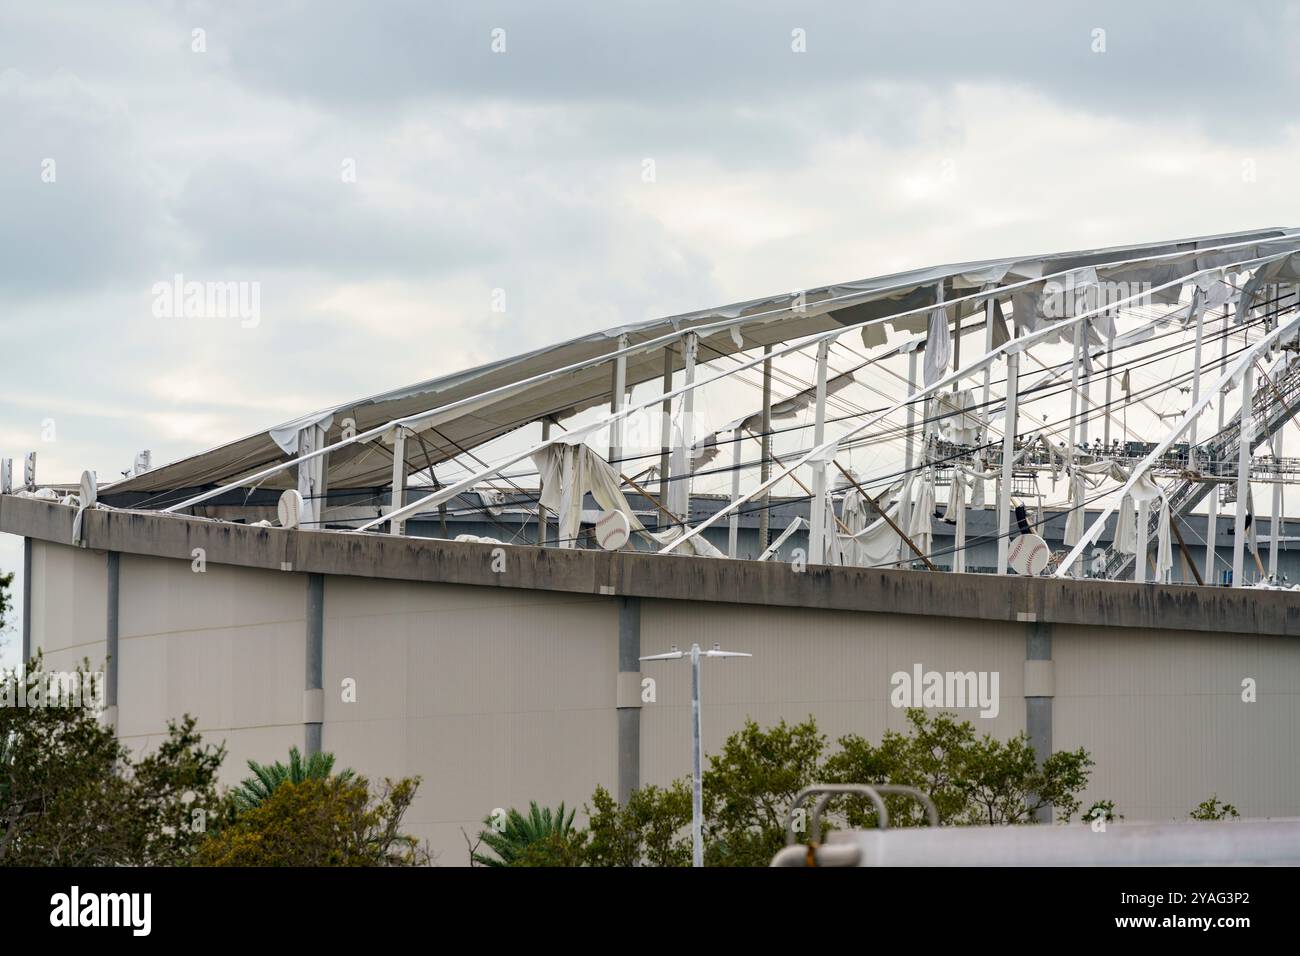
x,y
498,687
1164,715
834,665
69,605
225,645
494,697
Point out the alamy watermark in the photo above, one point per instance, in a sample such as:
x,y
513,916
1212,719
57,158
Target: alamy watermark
x,y
54,689
922,688
1068,297
208,300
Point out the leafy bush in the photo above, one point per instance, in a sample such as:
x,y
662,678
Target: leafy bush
x,y
320,822
71,794
1213,809
255,789
541,838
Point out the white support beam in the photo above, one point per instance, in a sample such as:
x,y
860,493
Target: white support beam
x,y
1076,361
990,312
618,395
1212,518
679,493
817,505
733,530
1008,454
1105,419
542,519
1275,515
665,435
1244,439
1199,315
398,525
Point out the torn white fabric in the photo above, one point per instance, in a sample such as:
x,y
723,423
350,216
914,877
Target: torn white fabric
x,y
977,486
919,528
960,422
1075,519
571,471
286,435
956,513
938,344
1164,551
491,499
1126,528
873,543
1145,489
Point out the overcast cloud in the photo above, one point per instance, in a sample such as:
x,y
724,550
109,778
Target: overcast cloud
x,y
907,134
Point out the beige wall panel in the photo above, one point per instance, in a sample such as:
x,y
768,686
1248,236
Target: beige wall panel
x,y
1163,716
494,697
163,596
232,677
263,744
69,603
225,645
834,665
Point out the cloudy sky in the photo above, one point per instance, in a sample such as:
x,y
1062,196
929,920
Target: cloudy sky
x,y
379,169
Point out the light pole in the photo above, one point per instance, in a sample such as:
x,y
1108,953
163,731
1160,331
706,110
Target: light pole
x,y
697,789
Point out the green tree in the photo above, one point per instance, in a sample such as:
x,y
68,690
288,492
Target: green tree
x,y
254,790
750,786
6,602
1102,810
71,794
972,780
320,822
541,838
931,756
1213,809
653,829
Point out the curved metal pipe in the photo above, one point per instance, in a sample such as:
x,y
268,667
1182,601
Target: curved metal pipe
x,y
861,789
931,811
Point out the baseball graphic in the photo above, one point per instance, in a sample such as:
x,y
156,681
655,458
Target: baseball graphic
x,y
612,530
1028,555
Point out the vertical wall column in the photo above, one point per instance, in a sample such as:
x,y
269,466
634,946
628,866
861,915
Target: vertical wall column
x,y
628,697
27,603
1040,688
313,696
110,639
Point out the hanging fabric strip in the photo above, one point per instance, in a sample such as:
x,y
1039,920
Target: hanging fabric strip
x,y
938,343
1164,551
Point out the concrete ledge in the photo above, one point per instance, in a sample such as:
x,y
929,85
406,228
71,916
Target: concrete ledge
x,y
633,574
